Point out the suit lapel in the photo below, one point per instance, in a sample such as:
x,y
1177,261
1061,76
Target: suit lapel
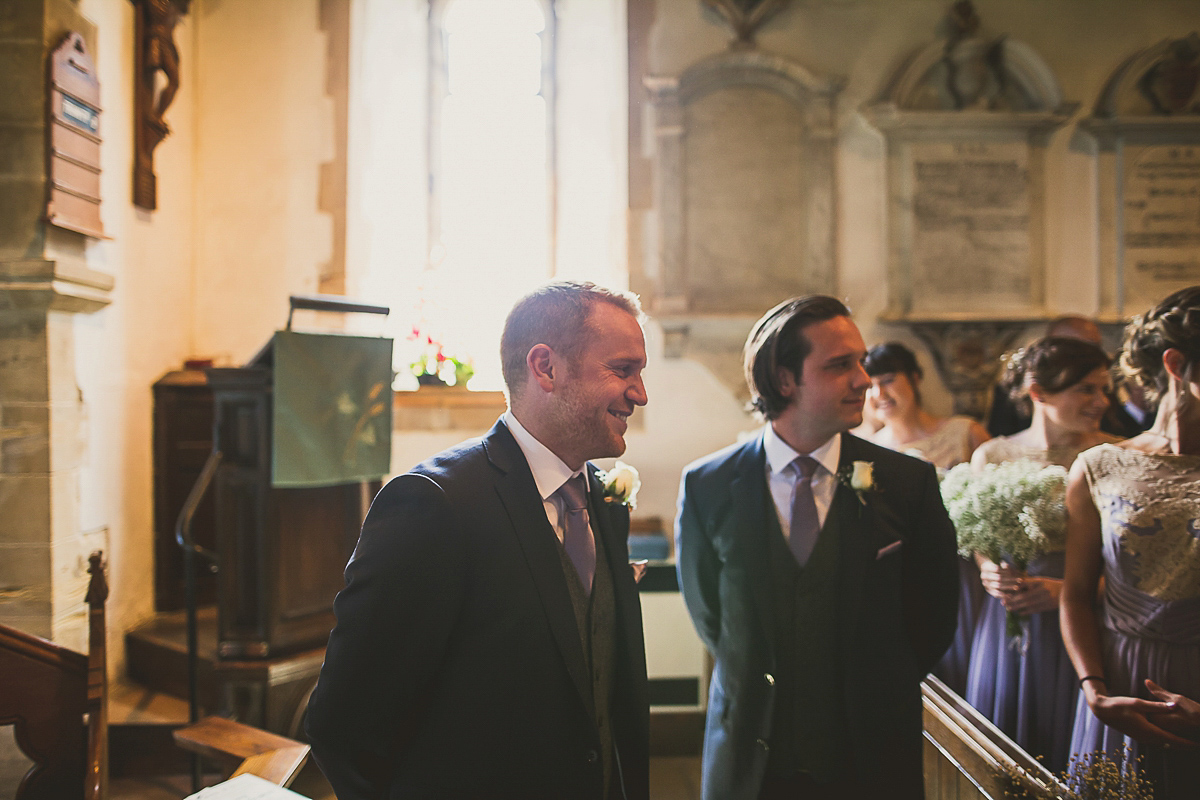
x,y
611,524
751,502
860,537
518,493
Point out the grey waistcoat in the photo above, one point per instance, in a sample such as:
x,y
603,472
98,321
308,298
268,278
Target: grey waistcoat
x,y
595,618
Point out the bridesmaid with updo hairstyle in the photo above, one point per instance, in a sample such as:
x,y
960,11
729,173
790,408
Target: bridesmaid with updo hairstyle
x,y
1134,517
1029,690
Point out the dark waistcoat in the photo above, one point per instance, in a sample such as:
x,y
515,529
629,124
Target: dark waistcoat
x,y
595,617
808,727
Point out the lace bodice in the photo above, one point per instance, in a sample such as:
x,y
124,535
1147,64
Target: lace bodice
x,y
1149,508
949,445
1003,449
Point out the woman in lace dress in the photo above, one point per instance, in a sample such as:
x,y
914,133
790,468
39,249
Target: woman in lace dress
x,y
1134,512
895,399
1027,687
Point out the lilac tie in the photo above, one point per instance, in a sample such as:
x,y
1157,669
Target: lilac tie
x,y
577,536
806,525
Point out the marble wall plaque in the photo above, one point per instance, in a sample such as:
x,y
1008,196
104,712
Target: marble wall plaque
x,y
744,199
1161,231
971,240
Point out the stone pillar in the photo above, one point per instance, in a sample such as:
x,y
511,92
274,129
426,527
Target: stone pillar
x,y
44,283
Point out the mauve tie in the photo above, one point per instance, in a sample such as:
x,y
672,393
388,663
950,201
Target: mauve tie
x,y
577,536
806,525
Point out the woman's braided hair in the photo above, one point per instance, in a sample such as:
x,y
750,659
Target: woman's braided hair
x,y
1173,323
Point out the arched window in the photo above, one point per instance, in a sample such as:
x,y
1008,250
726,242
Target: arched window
x,y
491,177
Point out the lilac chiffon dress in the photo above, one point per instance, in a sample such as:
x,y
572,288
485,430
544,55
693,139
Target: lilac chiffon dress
x,y
1150,614
948,446
1026,687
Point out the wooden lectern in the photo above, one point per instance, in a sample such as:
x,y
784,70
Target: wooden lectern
x,y
281,552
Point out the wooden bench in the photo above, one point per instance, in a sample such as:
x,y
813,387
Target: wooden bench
x,y
48,692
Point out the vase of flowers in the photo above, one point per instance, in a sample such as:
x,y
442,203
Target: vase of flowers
x,y
435,367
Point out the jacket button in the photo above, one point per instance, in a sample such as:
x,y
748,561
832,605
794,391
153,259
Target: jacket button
x,y
592,757
770,679
763,744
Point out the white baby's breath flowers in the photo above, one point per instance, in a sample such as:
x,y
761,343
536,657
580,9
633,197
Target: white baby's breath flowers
x,y
621,484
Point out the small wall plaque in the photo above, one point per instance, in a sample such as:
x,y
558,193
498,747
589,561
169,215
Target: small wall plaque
x,y
74,144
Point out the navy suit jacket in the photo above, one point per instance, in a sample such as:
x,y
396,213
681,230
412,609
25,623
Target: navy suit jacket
x,y
897,605
456,668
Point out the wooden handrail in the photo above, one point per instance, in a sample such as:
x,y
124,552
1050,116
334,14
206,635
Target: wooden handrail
x,y
245,749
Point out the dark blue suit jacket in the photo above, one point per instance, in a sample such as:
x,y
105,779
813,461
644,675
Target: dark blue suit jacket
x,y
456,669
897,606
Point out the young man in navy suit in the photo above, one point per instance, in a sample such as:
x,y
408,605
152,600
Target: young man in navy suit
x,y
820,571
489,637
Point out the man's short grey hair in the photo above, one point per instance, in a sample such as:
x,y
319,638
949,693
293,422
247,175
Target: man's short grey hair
x,y
555,315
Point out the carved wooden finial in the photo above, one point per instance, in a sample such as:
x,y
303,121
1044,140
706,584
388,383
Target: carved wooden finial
x,y
97,591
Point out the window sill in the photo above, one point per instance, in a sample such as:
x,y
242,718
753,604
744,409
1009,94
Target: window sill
x,y
446,408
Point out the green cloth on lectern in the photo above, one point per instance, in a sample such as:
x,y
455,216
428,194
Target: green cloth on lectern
x,y
332,409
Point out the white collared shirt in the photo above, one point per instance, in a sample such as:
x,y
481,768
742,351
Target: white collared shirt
x,y
549,472
782,481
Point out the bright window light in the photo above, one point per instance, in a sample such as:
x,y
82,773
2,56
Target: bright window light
x,y
492,180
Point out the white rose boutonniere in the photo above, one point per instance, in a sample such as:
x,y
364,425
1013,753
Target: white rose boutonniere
x,y
859,476
621,484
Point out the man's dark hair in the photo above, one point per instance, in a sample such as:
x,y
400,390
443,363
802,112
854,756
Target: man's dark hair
x,y
555,315
778,341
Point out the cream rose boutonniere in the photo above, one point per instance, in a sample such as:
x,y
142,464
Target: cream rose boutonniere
x,y
621,484
859,476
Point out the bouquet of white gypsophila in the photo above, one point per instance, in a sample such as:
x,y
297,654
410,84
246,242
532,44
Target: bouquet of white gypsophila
x,y
1013,512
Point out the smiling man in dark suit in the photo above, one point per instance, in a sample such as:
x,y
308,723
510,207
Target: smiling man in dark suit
x,y
820,571
489,637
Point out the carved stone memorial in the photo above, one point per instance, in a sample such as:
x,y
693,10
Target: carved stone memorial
x,y
1147,123
744,169
967,122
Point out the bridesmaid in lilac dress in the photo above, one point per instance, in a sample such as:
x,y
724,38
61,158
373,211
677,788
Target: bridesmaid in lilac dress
x,y
1135,518
1027,687
895,400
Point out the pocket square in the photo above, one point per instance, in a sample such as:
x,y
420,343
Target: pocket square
x,y
889,549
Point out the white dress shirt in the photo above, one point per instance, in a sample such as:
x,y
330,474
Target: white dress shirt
x,y
549,472
782,481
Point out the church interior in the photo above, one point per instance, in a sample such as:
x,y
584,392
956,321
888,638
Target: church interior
x,y
184,183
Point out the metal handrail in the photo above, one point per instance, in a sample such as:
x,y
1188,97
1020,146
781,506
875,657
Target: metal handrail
x,y
183,537
330,302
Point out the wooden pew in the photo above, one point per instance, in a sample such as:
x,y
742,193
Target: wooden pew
x,y
48,692
968,758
